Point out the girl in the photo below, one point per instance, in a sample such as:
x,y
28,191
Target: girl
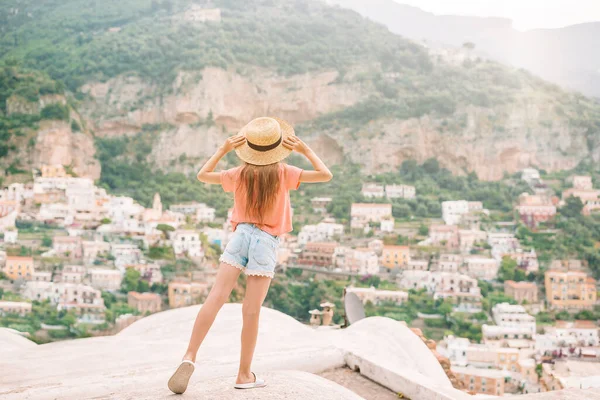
x,y
261,214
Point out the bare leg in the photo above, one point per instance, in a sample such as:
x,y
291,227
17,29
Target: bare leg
x,y
226,279
256,291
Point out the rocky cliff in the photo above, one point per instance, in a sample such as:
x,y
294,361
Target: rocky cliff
x,y
201,109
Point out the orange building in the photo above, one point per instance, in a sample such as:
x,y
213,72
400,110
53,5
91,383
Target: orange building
x,y
318,253
395,256
19,268
144,302
183,294
479,380
572,290
521,291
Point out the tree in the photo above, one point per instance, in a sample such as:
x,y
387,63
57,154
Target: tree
x,y
131,281
46,241
572,208
508,271
423,230
164,228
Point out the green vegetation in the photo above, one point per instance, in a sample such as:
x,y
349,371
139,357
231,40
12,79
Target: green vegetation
x,y
129,173
509,271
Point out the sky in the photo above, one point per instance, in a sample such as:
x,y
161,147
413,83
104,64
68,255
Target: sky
x,y
526,14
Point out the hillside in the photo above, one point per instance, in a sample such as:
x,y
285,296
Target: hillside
x,y
37,126
565,56
184,77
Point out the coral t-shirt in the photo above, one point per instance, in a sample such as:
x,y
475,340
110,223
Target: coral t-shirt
x,y
278,219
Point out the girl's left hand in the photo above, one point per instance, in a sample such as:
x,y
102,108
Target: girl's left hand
x,y
294,143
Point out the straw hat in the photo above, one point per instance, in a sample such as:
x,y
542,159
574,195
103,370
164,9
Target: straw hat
x,y
264,141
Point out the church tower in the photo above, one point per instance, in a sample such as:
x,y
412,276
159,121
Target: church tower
x,y
157,204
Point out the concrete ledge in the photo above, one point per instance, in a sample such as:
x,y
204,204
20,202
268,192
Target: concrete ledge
x,y
415,386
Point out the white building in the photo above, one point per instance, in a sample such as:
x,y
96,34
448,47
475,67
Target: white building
x,y
372,190
400,192
469,238
512,322
187,242
570,334
482,268
363,213
125,253
531,176
71,274
387,225
362,261
376,296
455,349
321,232
56,212
11,236
416,279
105,279
453,211
93,249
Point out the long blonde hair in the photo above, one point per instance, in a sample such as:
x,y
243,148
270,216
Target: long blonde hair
x,y
262,184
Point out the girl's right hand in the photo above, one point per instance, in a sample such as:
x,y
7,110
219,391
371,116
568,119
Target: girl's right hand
x,y
233,142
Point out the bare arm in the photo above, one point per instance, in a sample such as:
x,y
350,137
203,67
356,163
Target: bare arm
x,y
206,174
321,172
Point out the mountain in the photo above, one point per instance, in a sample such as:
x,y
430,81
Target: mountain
x,y
181,76
566,56
38,126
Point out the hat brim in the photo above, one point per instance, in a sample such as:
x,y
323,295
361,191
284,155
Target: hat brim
x,y
277,154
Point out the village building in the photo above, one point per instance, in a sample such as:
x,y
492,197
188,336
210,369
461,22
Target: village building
x,y
512,322
570,374
492,356
321,232
469,239
400,192
125,254
376,296
42,276
11,236
482,381
482,267
461,290
148,272
455,349
531,176
443,235
387,225
71,274
92,250
67,246
521,291
535,209
15,307
372,190
9,210
363,213
320,254
395,257
319,204
187,242
454,211
362,261
144,302
526,260
417,265
570,290
183,294
19,268
105,279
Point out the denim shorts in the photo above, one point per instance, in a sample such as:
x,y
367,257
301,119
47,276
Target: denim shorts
x,y
252,250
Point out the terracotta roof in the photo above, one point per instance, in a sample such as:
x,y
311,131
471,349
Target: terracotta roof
x,y
370,205
521,285
18,258
144,296
392,247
